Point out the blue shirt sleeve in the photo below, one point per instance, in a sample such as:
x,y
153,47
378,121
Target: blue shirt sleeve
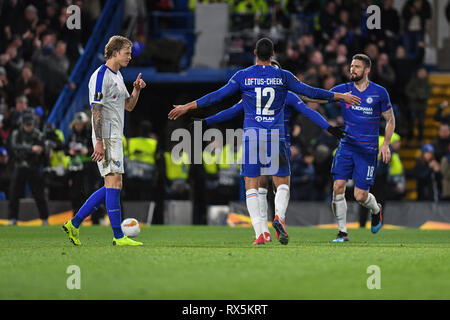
x,y
385,100
295,102
226,114
301,88
227,90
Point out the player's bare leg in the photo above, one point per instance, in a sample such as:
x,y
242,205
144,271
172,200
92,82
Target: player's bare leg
x,y
114,181
339,207
282,196
367,200
252,201
263,206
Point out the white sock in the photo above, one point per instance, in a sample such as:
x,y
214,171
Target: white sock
x,y
252,201
281,201
262,196
339,207
371,204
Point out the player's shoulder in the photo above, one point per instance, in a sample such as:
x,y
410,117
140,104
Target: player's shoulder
x,y
260,69
98,74
102,68
238,75
104,71
247,71
378,87
343,87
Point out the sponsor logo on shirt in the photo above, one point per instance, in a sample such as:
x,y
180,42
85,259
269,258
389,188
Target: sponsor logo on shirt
x,y
264,119
365,110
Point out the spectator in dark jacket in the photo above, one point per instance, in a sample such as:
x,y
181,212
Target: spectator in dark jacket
x,y
57,73
404,68
328,20
7,91
428,175
390,21
15,117
438,116
383,74
442,142
27,146
415,14
418,92
30,86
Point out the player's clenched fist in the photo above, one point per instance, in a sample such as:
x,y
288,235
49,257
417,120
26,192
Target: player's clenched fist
x,y
139,83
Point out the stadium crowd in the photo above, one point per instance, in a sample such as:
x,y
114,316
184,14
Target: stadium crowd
x,y
314,39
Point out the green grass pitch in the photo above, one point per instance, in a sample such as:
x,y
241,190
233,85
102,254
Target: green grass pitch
x,y
203,262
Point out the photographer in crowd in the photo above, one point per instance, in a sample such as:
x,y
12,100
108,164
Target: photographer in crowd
x,y
28,150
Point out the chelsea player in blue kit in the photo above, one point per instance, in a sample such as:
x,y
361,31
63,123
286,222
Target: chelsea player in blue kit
x,y
357,154
264,89
292,102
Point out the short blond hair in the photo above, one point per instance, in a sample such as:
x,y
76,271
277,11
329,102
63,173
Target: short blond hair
x,y
116,43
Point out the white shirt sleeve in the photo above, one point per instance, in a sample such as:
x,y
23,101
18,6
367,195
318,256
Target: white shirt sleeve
x,y
98,87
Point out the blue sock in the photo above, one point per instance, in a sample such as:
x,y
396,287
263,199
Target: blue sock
x,y
114,211
89,207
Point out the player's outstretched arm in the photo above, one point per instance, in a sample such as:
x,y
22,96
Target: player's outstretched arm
x,y
301,88
306,99
226,114
179,110
227,90
97,121
388,131
295,102
138,85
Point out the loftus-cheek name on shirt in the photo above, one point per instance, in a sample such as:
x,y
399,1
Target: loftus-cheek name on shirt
x,y
263,81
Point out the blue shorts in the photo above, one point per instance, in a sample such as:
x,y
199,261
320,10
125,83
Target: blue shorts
x,y
259,159
360,166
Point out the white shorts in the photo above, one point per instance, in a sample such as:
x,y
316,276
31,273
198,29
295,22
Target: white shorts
x,y
112,161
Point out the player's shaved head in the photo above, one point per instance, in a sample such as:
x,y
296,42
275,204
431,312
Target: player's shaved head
x,y
264,49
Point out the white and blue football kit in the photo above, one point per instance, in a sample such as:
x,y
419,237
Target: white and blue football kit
x,y
356,156
264,90
106,87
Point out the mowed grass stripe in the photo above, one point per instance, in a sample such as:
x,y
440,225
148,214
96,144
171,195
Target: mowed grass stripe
x,y
203,262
